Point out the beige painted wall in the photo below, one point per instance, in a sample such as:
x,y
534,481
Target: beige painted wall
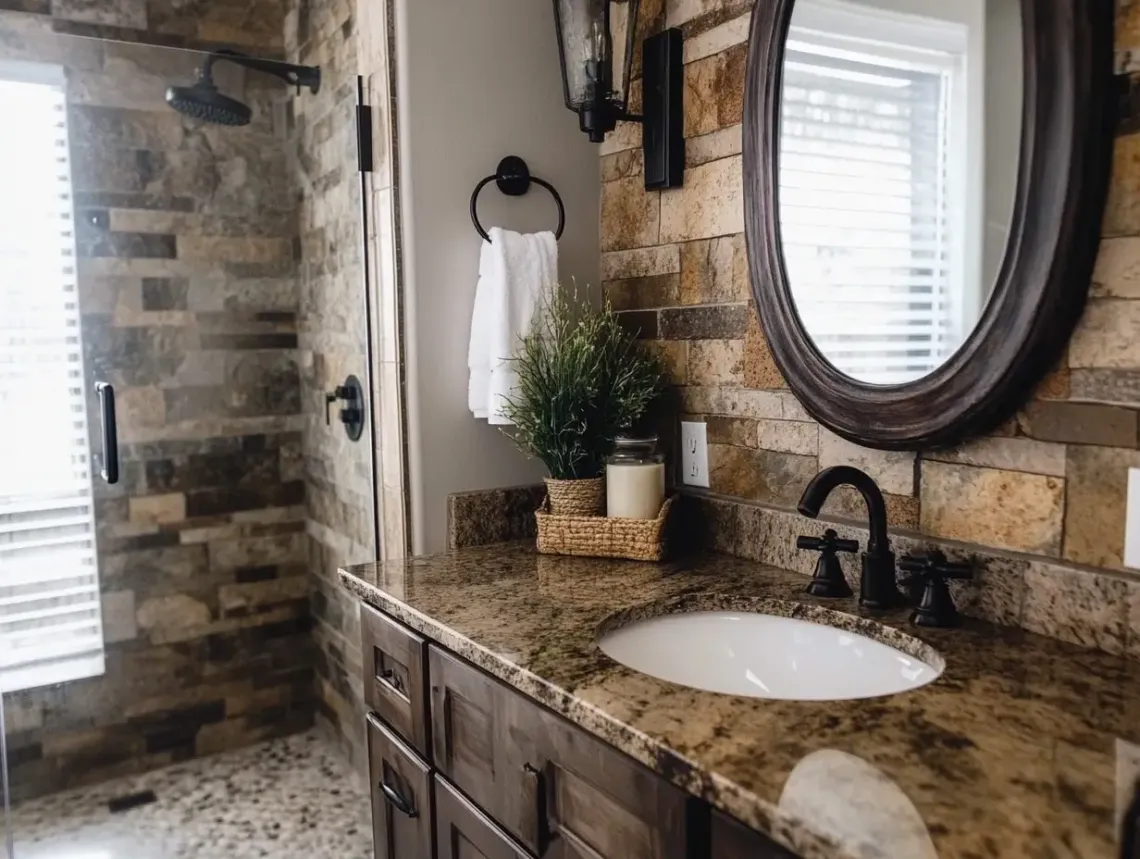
x,y
477,81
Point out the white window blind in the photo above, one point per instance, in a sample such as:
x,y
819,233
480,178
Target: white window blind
x,y
866,195
50,619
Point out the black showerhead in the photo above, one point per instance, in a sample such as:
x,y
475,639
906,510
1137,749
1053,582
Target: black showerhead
x,y
204,101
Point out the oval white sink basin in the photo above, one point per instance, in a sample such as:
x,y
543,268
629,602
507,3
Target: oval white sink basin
x,y
766,656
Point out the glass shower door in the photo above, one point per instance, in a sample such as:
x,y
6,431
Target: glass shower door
x,y
6,834
168,595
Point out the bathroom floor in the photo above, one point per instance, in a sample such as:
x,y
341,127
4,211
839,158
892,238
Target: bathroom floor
x,y
284,799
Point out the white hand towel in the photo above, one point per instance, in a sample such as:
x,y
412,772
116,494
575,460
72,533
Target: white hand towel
x,y
516,274
479,347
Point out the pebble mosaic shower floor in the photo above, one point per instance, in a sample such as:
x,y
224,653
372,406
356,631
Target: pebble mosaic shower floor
x,y
285,799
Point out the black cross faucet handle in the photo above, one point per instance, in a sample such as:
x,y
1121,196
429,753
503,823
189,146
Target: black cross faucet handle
x,y
931,565
829,542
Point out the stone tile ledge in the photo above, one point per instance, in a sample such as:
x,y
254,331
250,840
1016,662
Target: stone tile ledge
x,y
1075,603
485,516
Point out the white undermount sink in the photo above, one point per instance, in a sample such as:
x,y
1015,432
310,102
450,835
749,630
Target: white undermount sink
x,y
768,656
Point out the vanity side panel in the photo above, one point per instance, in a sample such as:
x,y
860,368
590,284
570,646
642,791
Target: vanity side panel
x,y
734,840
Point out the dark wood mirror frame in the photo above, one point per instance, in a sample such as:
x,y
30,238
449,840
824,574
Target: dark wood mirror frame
x,y
1066,158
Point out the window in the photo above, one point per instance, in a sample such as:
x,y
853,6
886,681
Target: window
x,y
50,623
873,187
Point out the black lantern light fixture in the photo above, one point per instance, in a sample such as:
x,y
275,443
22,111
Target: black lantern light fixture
x,y
596,41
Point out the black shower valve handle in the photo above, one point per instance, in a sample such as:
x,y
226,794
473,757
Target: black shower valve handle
x,y
341,392
829,542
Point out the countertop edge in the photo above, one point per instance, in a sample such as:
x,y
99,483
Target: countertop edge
x,y
720,793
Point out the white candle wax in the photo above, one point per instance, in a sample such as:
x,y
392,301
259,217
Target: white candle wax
x,y
635,491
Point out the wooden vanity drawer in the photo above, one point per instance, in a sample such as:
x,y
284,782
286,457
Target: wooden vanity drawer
x,y
394,683
562,793
464,832
400,783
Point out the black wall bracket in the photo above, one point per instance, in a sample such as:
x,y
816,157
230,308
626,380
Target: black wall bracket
x,y
663,109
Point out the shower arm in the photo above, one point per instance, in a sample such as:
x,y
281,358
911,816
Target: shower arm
x,y
298,76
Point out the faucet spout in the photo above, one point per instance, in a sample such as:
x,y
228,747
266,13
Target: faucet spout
x,y
826,481
878,587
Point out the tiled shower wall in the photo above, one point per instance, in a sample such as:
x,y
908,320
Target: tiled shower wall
x,y
333,344
189,305
1049,484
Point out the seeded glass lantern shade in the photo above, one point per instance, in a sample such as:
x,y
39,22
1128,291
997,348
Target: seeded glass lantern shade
x,y
595,44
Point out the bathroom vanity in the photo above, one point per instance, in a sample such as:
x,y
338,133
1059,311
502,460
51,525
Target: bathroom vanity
x,y
498,728
460,757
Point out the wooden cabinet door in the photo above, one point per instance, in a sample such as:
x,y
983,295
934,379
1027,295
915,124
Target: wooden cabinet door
x,y
473,747
595,802
464,832
401,796
559,791
733,840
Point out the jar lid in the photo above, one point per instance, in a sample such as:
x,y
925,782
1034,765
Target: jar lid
x,y
632,450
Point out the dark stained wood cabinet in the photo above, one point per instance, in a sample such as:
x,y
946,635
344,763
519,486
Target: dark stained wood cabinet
x,y
464,832
500,777
733,840
595,802
394,661
401,797
476,744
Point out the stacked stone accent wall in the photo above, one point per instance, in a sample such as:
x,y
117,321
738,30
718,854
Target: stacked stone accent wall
x,y
189,298
333,343
1049,485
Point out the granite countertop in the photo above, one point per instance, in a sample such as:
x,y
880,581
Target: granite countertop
x,y
1024,747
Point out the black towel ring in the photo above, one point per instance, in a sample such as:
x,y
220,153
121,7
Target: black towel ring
x,y
513,178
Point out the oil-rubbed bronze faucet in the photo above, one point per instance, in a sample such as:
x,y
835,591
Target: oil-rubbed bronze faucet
x,y
877,585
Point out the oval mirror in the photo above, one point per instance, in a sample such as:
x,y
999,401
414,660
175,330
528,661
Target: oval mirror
x,y
924,183
900,131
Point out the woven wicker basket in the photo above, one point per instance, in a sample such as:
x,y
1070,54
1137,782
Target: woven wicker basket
x,y
577,497
603,537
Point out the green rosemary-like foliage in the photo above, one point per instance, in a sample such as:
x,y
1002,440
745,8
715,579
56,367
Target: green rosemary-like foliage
x,y
583,380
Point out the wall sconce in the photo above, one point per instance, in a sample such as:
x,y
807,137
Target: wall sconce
x,y
595,46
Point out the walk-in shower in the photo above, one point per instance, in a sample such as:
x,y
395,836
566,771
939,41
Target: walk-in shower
x,y
155,626
203,100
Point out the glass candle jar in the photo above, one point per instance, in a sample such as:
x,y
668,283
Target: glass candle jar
x,y
635,479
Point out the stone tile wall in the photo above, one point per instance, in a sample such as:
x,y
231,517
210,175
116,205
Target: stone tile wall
x,y
1048,485
333,343
189,300
253,25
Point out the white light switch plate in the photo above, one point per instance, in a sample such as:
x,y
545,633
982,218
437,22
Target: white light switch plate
x,y
695,454
1132,521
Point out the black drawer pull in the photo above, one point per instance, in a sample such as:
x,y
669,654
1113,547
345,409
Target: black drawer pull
x,y
388,675
398,802
542,835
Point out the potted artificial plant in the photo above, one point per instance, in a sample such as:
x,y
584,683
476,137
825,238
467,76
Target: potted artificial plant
x,y
583,380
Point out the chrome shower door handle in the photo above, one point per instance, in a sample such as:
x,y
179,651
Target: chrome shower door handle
x,y
110,471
